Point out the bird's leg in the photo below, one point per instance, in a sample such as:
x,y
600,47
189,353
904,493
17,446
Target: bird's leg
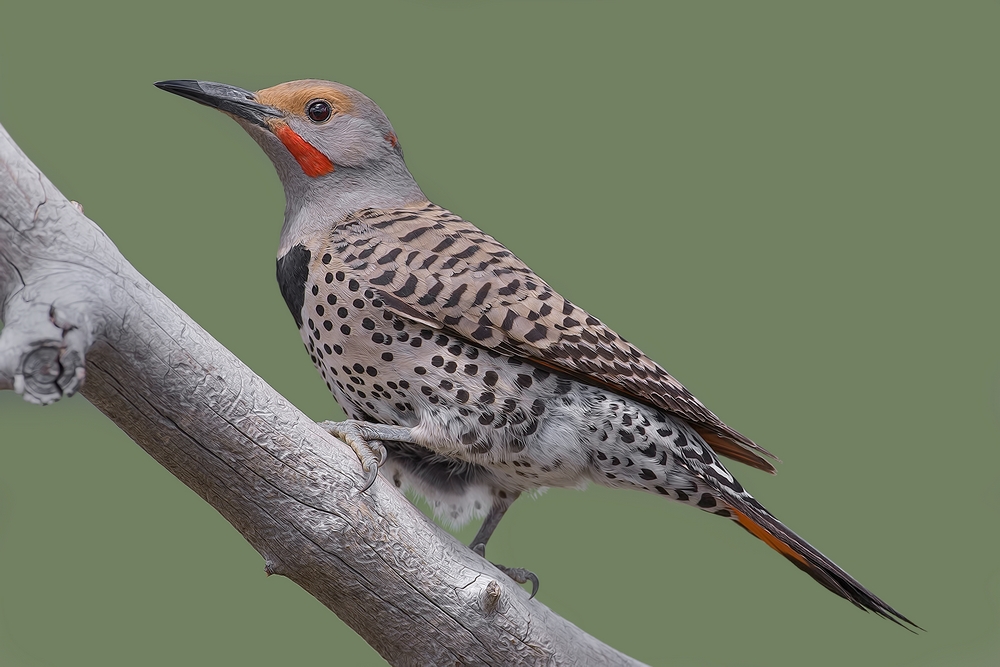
x,y
365,438
501,502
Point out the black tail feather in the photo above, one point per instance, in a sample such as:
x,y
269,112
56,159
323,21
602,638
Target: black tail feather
x,y
760,523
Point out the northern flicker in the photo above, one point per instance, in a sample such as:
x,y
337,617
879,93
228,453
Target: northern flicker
x,y
460,369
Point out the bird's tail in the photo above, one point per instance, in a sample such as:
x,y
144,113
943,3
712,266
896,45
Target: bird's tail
x,y
760,523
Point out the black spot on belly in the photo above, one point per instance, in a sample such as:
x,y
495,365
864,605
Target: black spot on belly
x,y
706,501
292,273
481,447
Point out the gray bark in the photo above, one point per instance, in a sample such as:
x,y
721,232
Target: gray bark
x,y
78,316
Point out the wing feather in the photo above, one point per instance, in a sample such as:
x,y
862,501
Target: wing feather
x,y
431,266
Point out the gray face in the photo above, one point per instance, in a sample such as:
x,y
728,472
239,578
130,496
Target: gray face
x,y
349,140
324,119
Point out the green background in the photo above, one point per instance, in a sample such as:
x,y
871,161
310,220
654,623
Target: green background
x,y
793,207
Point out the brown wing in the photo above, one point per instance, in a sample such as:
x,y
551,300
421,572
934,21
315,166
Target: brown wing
x,y
434,267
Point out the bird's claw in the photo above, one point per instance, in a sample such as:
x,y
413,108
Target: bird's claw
x,y
370,475
371,453
383,452
521,576
518,574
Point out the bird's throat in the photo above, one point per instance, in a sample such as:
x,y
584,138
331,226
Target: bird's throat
x,y
313,162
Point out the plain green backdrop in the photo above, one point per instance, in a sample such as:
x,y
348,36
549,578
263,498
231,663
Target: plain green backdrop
x,y
792,206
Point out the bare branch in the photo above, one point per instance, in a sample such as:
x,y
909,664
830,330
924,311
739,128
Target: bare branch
x,y
74,309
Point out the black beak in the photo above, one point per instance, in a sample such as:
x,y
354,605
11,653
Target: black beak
x,y
230,99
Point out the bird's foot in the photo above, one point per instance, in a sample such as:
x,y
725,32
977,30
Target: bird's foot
x,y
366,441
518,574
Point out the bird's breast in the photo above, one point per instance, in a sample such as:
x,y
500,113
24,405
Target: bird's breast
x,y
464,401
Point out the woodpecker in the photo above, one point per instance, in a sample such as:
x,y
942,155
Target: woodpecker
x,y
460,369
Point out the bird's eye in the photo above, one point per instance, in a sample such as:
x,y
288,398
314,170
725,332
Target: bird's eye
x,y
319,111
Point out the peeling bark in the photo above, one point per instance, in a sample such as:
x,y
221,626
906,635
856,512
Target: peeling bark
x,y
78,317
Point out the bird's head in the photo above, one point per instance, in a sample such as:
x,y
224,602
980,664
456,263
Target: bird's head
x,y
322,125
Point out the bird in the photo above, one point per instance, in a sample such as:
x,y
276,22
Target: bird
x,y
464,375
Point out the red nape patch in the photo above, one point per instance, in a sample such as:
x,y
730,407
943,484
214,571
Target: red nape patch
x,y
313,162
391,138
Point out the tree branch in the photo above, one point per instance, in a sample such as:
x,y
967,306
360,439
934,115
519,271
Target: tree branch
x,y
74,309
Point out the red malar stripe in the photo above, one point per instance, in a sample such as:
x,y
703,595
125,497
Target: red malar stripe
x,y
313,162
